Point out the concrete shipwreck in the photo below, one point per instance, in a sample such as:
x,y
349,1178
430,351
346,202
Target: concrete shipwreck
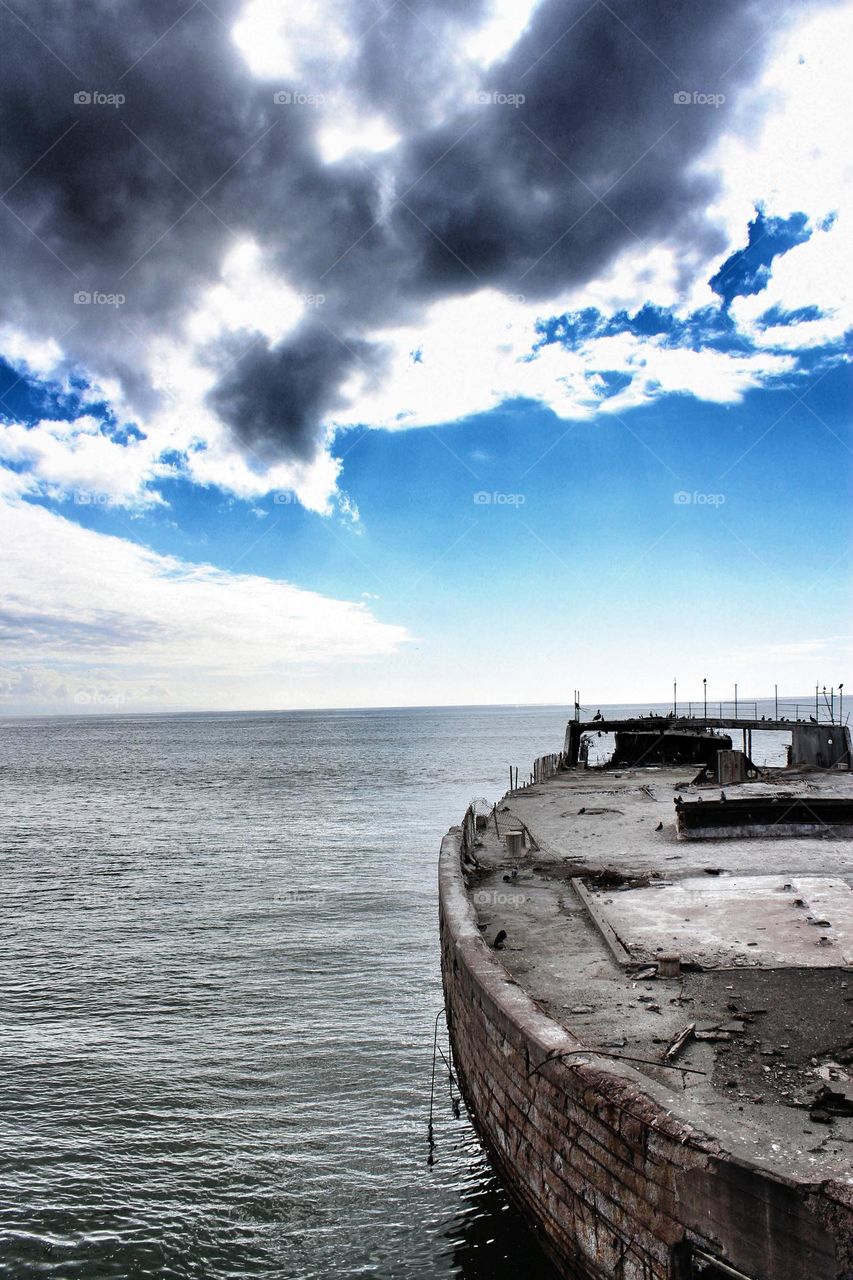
x,y
648,977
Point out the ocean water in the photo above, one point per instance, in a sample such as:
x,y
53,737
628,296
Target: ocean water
x,y
218,987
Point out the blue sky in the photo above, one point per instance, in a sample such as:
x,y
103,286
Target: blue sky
x,y
645,476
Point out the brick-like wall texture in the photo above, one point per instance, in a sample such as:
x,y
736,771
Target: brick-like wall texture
x,y
619,1189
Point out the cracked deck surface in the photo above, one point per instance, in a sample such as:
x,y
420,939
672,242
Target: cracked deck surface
x,y
765,927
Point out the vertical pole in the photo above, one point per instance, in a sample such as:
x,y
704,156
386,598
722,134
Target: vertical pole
x,y
775,702
816,703
841,704
675,698
705,694
735,702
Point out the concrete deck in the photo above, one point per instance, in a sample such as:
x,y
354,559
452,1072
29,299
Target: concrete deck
x,y
764,926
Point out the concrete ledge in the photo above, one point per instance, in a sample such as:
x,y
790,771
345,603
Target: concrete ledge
x,y
616,1184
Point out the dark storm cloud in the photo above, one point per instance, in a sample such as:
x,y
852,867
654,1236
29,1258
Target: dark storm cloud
x,y
143,199
296,384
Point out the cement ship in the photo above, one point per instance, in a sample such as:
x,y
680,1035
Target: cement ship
x,y
648,980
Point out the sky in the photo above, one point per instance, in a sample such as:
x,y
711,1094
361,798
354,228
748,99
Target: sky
x,y
407,352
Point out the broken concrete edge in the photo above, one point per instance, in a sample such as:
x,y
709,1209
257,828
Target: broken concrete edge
x,y
614,943
546,1038
628,1090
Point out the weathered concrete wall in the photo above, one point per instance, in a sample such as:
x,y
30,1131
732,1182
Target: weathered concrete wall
x,y
618,1187
818,745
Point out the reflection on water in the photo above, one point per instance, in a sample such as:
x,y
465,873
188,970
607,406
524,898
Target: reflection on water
x,y
491,1241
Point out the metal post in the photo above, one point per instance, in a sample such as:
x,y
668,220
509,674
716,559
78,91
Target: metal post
x,y
705,695
841,704
674,698
816,703
775,702
735,702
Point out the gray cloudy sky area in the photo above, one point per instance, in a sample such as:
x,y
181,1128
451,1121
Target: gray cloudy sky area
x,y
144,198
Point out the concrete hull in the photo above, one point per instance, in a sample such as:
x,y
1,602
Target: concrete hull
x,y
615,1185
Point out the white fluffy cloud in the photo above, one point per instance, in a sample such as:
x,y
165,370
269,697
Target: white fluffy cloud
x,y
798,157
472,354
799,161
77,458
95,620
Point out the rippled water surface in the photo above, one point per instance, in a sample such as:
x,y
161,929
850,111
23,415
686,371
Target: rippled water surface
x,y
219,980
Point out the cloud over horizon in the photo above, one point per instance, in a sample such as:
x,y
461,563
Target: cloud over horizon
x,y
90,621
